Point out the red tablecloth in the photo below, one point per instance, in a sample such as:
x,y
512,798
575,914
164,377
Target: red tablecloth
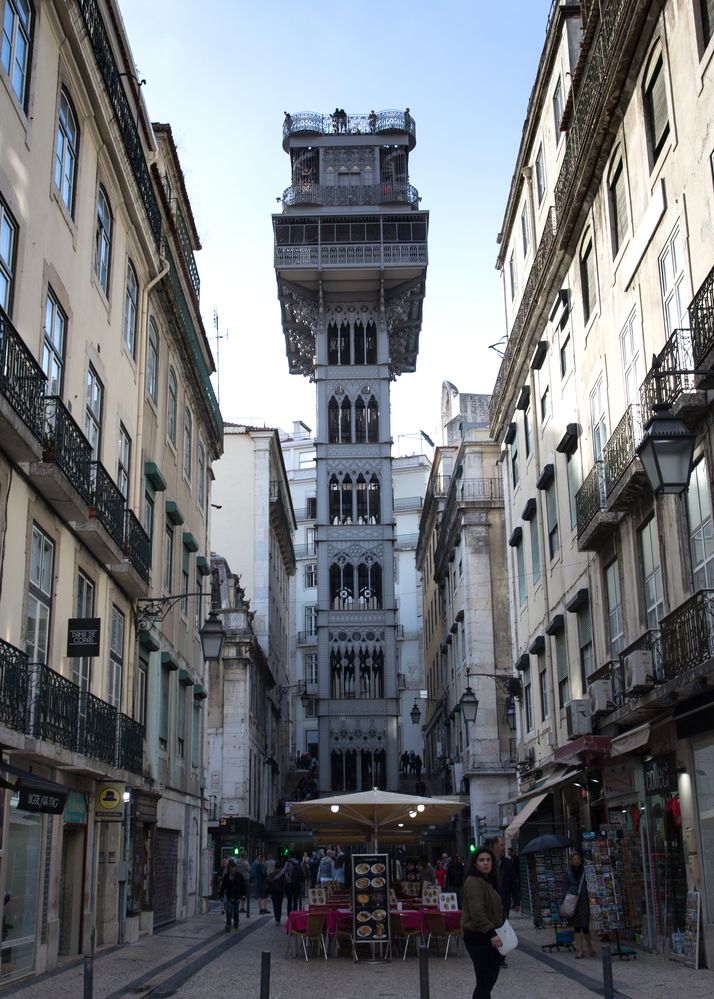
x,y
416,919
297,919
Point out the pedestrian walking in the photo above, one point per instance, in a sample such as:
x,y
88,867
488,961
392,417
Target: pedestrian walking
x,y
232,891
482,913
259,874
427,875
576,884
417,766
509,886
276,889
292,878
243,867
455,878
440,872
326,869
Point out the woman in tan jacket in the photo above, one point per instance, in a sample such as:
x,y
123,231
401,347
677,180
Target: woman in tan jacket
x,y
482,913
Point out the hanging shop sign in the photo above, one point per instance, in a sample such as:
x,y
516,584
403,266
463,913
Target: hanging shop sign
x,y
661,775
36,798
109,802
83,636
75,811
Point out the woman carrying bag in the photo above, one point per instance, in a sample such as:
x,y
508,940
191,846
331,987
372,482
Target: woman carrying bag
x,y
575,905
482,922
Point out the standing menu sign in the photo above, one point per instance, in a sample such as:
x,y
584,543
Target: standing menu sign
x,y
691,931
370,898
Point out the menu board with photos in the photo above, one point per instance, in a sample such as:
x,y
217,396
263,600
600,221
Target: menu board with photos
x,y
370,898
691,931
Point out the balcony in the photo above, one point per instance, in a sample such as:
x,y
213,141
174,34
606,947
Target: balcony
x,y
282,523
701,319
382,123
64,475
665,388
22,389
374,241
307,638
404,503
187,254
103,532
305,551
14,686
377,255
595,524
134,571
688,637
332,196
625,479
403,542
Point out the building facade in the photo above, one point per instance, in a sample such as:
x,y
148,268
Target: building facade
x,y
350,260
606,252
108,428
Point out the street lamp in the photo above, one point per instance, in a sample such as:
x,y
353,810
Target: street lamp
x,y
212,636
469,703
154,609
666,451
415,714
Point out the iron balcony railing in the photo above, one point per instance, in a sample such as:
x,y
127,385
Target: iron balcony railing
x,y
701,319
56,715
352,255
307,638
66,445
305,551
137,545
100,728
14,685
125,115
688,635
108,502
664,383
312,123
22,380
590,498
619,452
408,503
332,196
187,251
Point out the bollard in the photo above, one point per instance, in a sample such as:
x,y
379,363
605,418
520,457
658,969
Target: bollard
x,y
265,975
423,972
608,989
247,901
89,977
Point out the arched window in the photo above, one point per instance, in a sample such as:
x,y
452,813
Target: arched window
x,y
345,421
338,770
333,352
346,500
372,421
344,343
131,308
360,421
152,361
171,406
362,509
374,500
333,421
103,241
340,500
66,151
617,204
360,343
342,584
656,109
371,343
369,584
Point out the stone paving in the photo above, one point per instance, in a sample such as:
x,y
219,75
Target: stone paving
x,y
198,960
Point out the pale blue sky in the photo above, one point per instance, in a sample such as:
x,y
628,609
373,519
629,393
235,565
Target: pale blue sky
x,y
223,71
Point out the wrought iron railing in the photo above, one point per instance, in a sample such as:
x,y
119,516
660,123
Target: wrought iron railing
x,y
330,195
55,708
701,319
108,502
351,255
277,504
67,447
137,545
403,541
99,728
191,340
619,452
590,498
307,638
22,380
519,329
187,251
304,551
664,382
688,635
125,116
312,123
14,685
488,490
402,503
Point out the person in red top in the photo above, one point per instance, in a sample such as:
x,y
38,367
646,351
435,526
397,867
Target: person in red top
x,y
440,875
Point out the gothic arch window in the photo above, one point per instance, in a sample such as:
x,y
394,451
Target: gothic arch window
x,y
360,421
360,343
371,342
338,770
341,499
342,584
373,499
344,343
345,421
369,584
333,421
372,421
351,770
333,351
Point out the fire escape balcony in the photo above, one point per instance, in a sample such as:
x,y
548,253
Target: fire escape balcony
x,y
665,387
333,196
595,523
625,479
22,390
64,475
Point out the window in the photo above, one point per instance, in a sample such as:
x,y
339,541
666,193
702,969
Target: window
x,y
527,432
172,407
185,590
93,411
551,506
147,515
152,361
515,469
196,734
310,575
615,619
528,705
168,557
140,691
617,200
103,241
558,109
123,461
535,549
306,459
700,527
561,667
39,598
311,667
521,573
598,418
8,240
55,333
164,707
540,175
311,540
587,280
566,356
116,658
16,39
545,404
585,645
187,443
84,607
543,686
651,573
671,275
630,357
525,230
512,275
656,112
311,620
706,8
181,720
311,507
131,307
201,474
66,152
572,471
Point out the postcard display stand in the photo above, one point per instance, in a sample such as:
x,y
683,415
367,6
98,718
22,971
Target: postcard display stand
x,y
370,903
605,902
546,877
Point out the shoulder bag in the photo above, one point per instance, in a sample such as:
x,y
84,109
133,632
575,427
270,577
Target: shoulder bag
x,y
509,940
570,902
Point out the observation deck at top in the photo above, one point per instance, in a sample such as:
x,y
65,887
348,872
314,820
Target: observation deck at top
x,y
378,123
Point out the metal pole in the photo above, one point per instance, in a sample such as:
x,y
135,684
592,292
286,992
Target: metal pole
x,y
89,969
608,989
247,901
423,972
265,975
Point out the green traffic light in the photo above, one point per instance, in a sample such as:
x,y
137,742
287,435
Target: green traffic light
x,y
472,847
236,851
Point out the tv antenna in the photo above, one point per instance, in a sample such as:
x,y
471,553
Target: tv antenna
x,y
218,337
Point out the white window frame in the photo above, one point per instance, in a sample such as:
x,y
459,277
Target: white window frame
x,y
152,361
16,45
66,149
116,657
672,276
8,243
93,411
53,343
40,594
131,308
123,461
171,405
103,240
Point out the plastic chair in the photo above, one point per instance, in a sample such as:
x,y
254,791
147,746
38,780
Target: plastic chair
x,y
314,931
436,925
399,932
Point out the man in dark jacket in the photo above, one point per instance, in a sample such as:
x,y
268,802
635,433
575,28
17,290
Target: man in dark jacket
x,y
232,891
455,878
509,886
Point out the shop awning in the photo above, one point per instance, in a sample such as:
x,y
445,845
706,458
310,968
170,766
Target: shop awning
x,y
525,813
37,794
628,742
585,749
556,780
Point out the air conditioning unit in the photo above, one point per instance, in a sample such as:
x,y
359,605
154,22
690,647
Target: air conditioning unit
x,y
578,720
639,671
600,697
549,737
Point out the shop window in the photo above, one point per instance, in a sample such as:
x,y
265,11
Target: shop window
x,y
24,871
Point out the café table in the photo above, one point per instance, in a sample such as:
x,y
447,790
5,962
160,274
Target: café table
x,y
297,920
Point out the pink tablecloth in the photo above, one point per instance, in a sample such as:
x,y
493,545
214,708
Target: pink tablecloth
x,y
415,919
297,920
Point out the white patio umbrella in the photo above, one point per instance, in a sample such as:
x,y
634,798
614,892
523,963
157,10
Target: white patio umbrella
x,y
375,812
